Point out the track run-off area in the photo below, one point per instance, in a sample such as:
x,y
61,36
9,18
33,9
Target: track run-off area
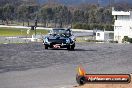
x,y
31,66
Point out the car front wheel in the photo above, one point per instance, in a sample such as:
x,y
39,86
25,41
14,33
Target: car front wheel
x,y
73,47
68,47
46,47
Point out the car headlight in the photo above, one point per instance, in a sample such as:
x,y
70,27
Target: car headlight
x,y
46,40
67,40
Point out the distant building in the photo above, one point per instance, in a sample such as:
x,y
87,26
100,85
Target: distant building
x,y
105,36
122,24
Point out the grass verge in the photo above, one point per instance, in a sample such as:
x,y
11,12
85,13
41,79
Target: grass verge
x,y
19,32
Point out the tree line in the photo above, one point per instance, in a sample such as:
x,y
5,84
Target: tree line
x,y
83,16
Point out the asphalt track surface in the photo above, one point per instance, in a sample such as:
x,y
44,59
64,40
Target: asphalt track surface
x,y
31,66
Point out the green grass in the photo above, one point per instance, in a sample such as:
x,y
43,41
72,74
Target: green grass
x,y
19,32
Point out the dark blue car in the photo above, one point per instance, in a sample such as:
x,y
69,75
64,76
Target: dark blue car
x,y
60,38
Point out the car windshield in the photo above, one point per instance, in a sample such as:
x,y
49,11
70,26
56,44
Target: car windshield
x,y
62,32
58,31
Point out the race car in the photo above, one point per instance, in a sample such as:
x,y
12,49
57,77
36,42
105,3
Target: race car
x,y
60,38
